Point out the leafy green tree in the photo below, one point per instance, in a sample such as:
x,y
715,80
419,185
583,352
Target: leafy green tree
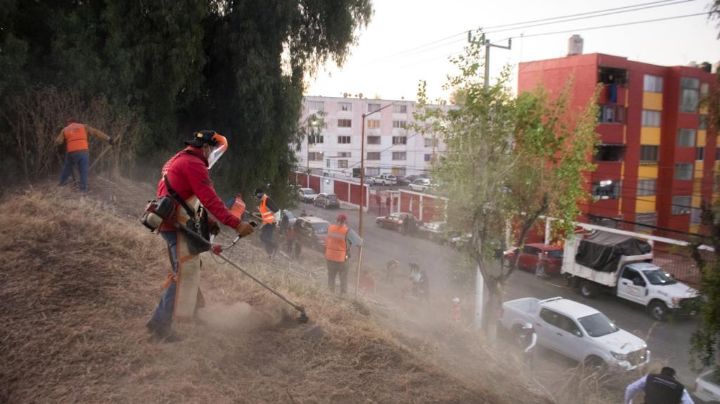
x,y
509,160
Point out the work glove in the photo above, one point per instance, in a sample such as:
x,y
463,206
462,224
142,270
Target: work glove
x,y
217,249
244,229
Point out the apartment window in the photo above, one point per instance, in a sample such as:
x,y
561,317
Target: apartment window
x,y
681,205
398,171
699,153
646,219
316,139
399,140
315,156
343,139
430,142
345,106
399,155
695,216
704,90
651,118
400,109
327,163
702,122
606,189
649,154
646,187
373,155
344,154
689,94
372,171
344,123
373,123
653,84
373,107
428,157
373,140
400,124
610,152
316,106
342,164
683,171
612,114
686,137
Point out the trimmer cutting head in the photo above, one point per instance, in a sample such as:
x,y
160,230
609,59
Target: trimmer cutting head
x,y
302,318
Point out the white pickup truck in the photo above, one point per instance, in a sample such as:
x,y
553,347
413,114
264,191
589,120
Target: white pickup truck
x,y
576,331
384,179
621,266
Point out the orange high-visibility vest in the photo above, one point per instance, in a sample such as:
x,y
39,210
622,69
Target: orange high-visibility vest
x,y
335,244
75,137
267,216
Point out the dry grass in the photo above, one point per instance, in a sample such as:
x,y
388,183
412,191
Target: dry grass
x,y
79,278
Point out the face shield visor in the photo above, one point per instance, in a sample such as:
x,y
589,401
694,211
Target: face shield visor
x,y
218,146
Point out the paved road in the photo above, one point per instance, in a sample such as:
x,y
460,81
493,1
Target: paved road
x,y
669,342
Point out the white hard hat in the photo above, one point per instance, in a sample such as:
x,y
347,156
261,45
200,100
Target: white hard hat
x,y
456,300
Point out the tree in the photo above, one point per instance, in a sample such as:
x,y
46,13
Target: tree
x,y
509,160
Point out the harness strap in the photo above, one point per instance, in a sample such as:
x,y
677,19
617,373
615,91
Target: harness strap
x,y
177,198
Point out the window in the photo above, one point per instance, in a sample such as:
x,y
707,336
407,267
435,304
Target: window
x,y
611,114
373,123
430,142
612,75
344,123
607,189
373,155
327,163
342,164
399,140
373,107
646,187
642,220
686,138
372,171
343,139
695,216
653,84
681,205
683,171
398,171
689,94
345,106
373,140
702,122
610,152
651,118
344,154
699,153
428,157
400,124
399,155
704,90
649,154
400,109
316,105
315,156
316,139
549,316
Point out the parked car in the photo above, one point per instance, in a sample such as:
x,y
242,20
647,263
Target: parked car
x,y
307,194
529,257
420,185
311,232
383,179
434,231
707,386
403,222
327,201
400,180
458,240
576,331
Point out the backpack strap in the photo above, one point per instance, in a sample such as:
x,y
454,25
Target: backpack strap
x,y
177,198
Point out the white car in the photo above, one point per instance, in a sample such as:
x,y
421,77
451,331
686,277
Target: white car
x,y
420,185
307,194
576,331
707,386
383,179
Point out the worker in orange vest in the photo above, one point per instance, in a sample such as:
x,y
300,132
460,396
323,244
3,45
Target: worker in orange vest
x,y
337,243
456,309
75,137
267,209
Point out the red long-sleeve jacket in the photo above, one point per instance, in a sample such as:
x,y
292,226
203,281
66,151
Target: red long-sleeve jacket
x,y
188,175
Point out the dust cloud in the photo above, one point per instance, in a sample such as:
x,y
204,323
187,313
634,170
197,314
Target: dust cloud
x,y
236,317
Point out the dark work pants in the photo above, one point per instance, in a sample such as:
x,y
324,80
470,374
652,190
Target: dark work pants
x,y
80,159
266,236
334,269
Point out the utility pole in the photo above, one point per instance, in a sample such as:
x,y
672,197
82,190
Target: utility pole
x,y
488,45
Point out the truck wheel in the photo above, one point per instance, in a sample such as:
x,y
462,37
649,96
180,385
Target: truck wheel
x,y
658,310
595,363
587,289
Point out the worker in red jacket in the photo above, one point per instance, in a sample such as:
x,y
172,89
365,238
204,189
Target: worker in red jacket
x,y
185,177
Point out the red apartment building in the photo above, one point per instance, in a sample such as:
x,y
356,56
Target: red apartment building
x,y
656,158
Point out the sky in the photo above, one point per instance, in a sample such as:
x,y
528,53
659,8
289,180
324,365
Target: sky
x,y
411,40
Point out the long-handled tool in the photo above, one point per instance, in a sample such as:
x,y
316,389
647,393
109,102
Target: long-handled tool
x,y
303,318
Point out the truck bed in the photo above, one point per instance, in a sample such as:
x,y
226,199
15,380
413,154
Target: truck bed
x,y
571,267
519,311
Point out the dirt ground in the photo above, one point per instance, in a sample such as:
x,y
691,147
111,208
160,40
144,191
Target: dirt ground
x,y
79,278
